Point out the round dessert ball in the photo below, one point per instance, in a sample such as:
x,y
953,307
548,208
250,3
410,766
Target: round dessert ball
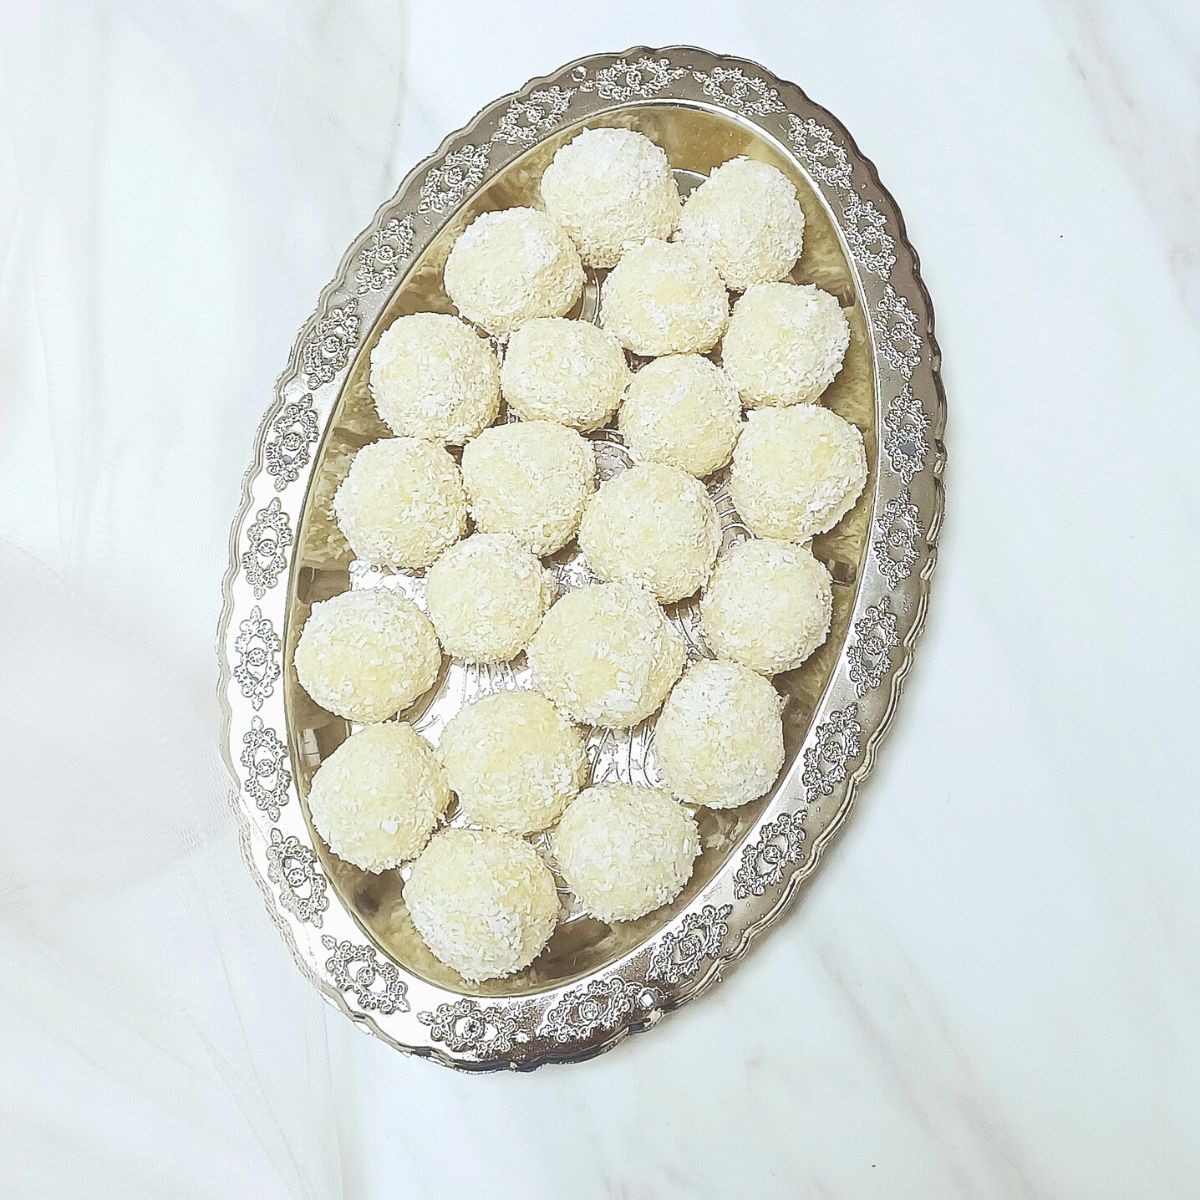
x,y
769,605
608,188
606,655
402,503
785,344
567,371
513,760
483,902
625,850
681,410
367,655
745,217
797,471
487,596
664,298
531,479
434,377
652,524
510,266
378,796
719,737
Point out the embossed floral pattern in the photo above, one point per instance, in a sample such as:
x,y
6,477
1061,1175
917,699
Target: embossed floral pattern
x,y
679,954
906,434
329,345
269,535
257,647
741,92
374,982
293,866
525,121
267,778
866,235
467,1027
818,150
899,528
602,1004
624,80
870,656
837,746
896,327
288,449
461,172
379,262
780,844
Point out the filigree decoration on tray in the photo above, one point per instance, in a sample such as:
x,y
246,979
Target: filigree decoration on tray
x,y
268,780
269,535
467,1027
837,746
526,121
293,866
906,437
741,92
328,348
896,327
819,151
625,756
895,548
870,657
376,984
624,80
389,246
600,1004
867,236
288,449
257,647
780,845
678,955
461,172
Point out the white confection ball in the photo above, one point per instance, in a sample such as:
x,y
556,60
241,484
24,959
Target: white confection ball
x,y
652,524
567,371
487,596
719,737
513,760
785,344
664,298
768,606
378,796
625,850
483,902
681,410
510,266
402,503
367,655
608,188
797,471
434,377
531,479
606,654
745,217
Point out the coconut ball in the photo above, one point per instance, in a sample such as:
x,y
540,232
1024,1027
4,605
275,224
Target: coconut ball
x,y
402,503
367,655
664,298
785,344
378,796
653,524
745,217
572,372
510,266
769,605
683,411
608,188
487,596
625,850
797,471
483,902
434,377
719,737
513,760
531,479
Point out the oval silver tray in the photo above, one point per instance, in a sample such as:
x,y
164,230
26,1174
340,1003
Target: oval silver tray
x,y
594,984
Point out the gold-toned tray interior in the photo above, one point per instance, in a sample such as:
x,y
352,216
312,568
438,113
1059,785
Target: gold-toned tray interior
x,y
696,140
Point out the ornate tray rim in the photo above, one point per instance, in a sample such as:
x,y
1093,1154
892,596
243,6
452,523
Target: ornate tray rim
x,y
690,954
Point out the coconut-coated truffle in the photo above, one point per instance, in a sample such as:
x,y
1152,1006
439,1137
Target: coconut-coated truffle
x,y
608,188
719,737
434,377
402,503
625,850
797,471
606,655
367,655
510,266
531,479
785,344
745,217
664,298
652,524
683,411
487,596
483,902
378,796
572,372
768,606
513,760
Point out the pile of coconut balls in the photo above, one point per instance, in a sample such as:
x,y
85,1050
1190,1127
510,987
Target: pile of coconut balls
x,y
478,505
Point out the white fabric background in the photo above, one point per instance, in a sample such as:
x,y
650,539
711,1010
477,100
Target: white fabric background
x,y
991,990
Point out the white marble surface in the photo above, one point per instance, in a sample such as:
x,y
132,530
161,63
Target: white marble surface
x,y
992,989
